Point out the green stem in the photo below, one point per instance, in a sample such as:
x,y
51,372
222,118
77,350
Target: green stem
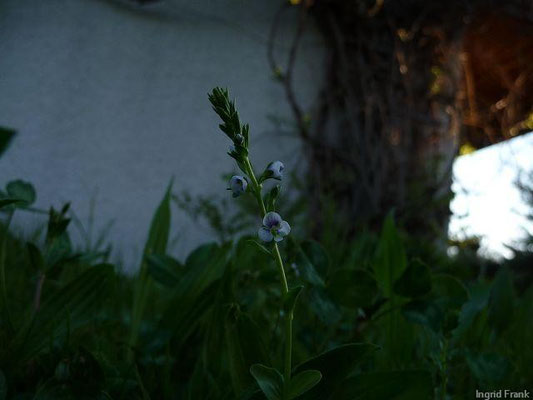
x,y
256,185
3,285
284,285
444,378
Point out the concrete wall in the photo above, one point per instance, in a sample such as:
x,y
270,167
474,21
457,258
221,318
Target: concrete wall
x,y
110,102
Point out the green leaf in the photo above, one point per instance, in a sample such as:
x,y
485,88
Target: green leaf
x,y
303,382
22,191
289,302
415,280
164,269
352,288
3,386
390,261
6,135
193,295
304,262
269,380
160,226
36,258
261,248
449,291
394,385
7,202
57,224
488,368
74,305
323,306
239,328
317,255
335,365
472,308
424,313
502,300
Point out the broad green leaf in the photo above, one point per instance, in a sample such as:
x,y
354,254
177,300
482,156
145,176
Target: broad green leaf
x,y
202,255
488,368
415,280
164,269
317,255
23,191
390,261
323,306
425,313
269,380
470,310
6,135
303,382
352,288
449,291
394,385
335,365
304,263
396,335
289,302
502,300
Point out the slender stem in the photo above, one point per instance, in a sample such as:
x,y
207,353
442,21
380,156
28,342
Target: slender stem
x,y
444,372
3,272
256,185
288,323
285,286
279,261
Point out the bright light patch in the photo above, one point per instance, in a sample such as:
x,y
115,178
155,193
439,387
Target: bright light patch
x,y
487,203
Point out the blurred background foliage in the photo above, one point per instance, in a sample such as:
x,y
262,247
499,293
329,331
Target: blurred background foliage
x,y
426,325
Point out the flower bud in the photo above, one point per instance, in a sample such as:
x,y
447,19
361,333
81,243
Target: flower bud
x,y
275,170
238,185
239,139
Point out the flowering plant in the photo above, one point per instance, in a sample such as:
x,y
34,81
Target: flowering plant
x,y
273,230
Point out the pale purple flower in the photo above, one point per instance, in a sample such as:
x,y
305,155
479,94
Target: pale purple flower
x,y
275,170
238,185
273,228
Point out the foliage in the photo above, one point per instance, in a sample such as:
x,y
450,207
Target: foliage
x,y
375,317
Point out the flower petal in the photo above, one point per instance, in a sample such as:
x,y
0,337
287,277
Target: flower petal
x,y
284,229
265,235
272,219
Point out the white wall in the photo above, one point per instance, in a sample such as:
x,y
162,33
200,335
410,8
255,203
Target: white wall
x,y
110,102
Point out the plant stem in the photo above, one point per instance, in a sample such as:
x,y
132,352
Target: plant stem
x,y
284,285
288,320
256,186
3,286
